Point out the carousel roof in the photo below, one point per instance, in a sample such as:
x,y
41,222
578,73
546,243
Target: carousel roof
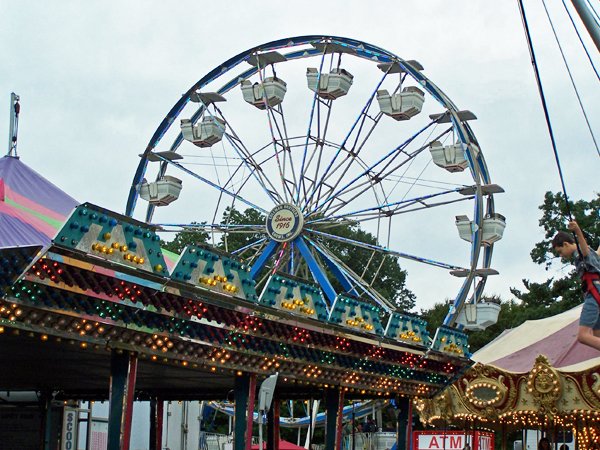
x,y
516,349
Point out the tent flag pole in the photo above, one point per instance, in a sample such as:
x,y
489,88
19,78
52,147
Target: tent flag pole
x,y
15,108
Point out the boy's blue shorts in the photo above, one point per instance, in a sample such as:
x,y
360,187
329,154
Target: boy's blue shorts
x,y
590,313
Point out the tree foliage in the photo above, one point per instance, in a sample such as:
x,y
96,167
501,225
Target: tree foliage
x,y
235,241
384,273
543,299
184,238
562,293
555,217
387,276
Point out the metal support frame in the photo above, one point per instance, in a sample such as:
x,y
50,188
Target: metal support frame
x,y
156,423
276,408
244,393
270,429
404,424
47,420
316,270
333,427
264,257
123,371
250,410
588,20
340,420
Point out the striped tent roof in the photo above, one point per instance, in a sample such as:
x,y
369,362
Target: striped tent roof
x,y
32,209
516,349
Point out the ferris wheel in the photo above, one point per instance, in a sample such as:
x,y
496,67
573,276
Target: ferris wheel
x,y
286,144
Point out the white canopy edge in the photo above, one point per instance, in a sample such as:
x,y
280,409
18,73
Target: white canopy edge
x,y
526,334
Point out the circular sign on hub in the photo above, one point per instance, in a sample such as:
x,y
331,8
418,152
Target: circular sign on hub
x,y
284,222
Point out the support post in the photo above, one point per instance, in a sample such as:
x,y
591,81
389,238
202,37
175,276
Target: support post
x,y
273,416
588,20
270,429
47,420
404,423
340,420
332,407
276,408
123,371
244,392
156,423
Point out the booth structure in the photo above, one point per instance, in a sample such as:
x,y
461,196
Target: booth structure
x,y
533,377
92,309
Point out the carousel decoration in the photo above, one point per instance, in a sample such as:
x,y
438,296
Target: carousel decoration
x,y
543,398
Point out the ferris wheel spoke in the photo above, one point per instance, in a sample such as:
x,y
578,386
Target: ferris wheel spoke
x,y
275,142
384,250
346,164
335,204
389,209
315,188
287,151
254,169
316,102
260,243
248,159
365,217
379,171
320,142
214,185
358,189
352,279
229,227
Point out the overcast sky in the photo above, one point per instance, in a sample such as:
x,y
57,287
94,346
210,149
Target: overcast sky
x,y
97,77
95,81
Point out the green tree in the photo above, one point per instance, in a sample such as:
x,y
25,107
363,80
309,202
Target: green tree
x,y
387,276
544,299
555,217
557,295
236,240
384,272
509,317
184,238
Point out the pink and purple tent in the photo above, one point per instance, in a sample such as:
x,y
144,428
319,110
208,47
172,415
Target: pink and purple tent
x,y
516,349
32,209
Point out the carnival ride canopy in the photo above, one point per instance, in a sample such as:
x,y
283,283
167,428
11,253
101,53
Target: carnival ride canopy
x,y
516,349
32,209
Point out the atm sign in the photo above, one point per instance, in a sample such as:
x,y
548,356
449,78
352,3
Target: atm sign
x,y
452,440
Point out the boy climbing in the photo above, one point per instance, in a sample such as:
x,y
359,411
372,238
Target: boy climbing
x,y
587,265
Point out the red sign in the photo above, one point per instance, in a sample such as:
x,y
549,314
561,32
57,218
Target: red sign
x,y
452,440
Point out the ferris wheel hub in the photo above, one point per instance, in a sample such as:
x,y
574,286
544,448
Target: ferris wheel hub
x,y
284,223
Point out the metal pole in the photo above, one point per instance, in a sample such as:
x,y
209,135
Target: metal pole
x,y
588,20
15,108
353,427
332,403
47,421
260,431
88,431
123,368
